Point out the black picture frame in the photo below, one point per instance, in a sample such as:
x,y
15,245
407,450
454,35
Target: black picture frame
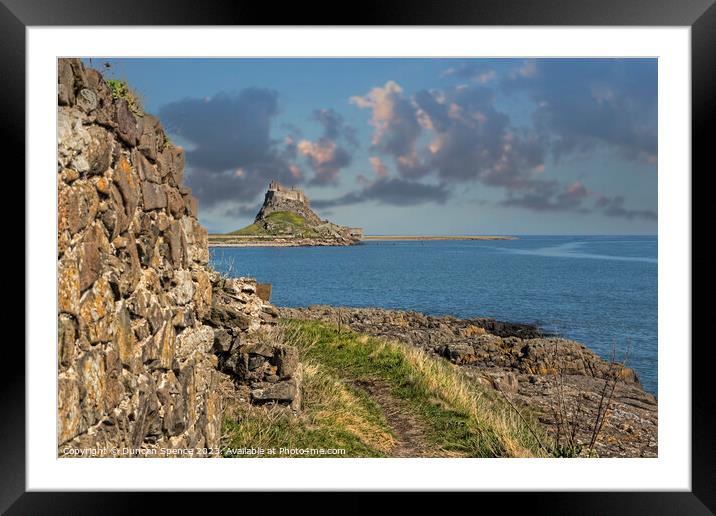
x,y
700,15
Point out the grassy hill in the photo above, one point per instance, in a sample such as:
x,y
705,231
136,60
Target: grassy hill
x,y
376,398
278,223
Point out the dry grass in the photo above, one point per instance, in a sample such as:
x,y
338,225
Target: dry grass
x,y
333,416
462,417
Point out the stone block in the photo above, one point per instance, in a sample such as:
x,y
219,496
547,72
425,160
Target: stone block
x,y
154,196
126,123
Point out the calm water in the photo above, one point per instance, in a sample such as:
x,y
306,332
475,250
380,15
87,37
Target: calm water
x,y
597,290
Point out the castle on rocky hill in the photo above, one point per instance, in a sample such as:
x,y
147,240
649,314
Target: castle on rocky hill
x,y
279,192
279,198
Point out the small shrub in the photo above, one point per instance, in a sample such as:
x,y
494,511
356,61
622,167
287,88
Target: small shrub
x,y
120,90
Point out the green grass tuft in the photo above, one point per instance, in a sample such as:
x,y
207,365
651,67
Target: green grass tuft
x,y
121,90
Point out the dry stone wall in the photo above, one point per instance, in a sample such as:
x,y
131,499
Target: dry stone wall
x,y
137,362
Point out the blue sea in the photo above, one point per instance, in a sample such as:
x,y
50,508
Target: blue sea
x,y
598,290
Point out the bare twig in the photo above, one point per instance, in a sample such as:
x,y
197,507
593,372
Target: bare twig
x,y
524,420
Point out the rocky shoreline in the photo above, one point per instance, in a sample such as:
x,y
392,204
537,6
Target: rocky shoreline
x,y
563,382
224,241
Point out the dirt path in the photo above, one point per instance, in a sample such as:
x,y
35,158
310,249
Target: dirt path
x,y
408,429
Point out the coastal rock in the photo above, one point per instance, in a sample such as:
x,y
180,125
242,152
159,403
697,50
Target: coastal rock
x,y
545,374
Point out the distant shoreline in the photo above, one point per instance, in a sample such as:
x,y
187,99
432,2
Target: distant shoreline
x,y
438,237
269,241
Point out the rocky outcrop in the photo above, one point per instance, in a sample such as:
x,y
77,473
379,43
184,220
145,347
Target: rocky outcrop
x,y
138,310
286,219
279,198
560,379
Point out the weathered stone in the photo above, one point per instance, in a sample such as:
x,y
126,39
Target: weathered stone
x,y
72,139
131,270
152,139
115,218
124,337
276,392
65,83
68,407
191,205
286,359
86,100
150,352
171,164
68,285
93,244
184,317
104,113
166,336
147,171
226,312
183,292
114,390
147,424
459,352
175,202
126,123
154,196
155,315
202,293
120,242
96,306
199,251
128,187
102,185
176,247
239,286
222,340
77,206
170,395
67,335
194,339
213,413
92,377
99,151
506,382
69,176
163,220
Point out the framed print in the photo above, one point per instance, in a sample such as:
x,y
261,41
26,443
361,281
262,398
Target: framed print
x,y
420,250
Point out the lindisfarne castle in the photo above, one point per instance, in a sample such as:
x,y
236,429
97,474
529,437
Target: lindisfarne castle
x,y
277,190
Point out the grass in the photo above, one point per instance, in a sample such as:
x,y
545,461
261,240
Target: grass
x,y
460,417
121,90
282,222
334,415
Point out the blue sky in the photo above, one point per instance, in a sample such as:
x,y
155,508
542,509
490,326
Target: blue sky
x,y
416,146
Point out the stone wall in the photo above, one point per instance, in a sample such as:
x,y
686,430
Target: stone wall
x,y
137,305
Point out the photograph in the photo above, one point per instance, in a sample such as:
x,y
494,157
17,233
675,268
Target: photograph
x,y
357,257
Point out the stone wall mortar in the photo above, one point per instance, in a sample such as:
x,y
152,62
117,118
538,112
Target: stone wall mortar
x,y
137,366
